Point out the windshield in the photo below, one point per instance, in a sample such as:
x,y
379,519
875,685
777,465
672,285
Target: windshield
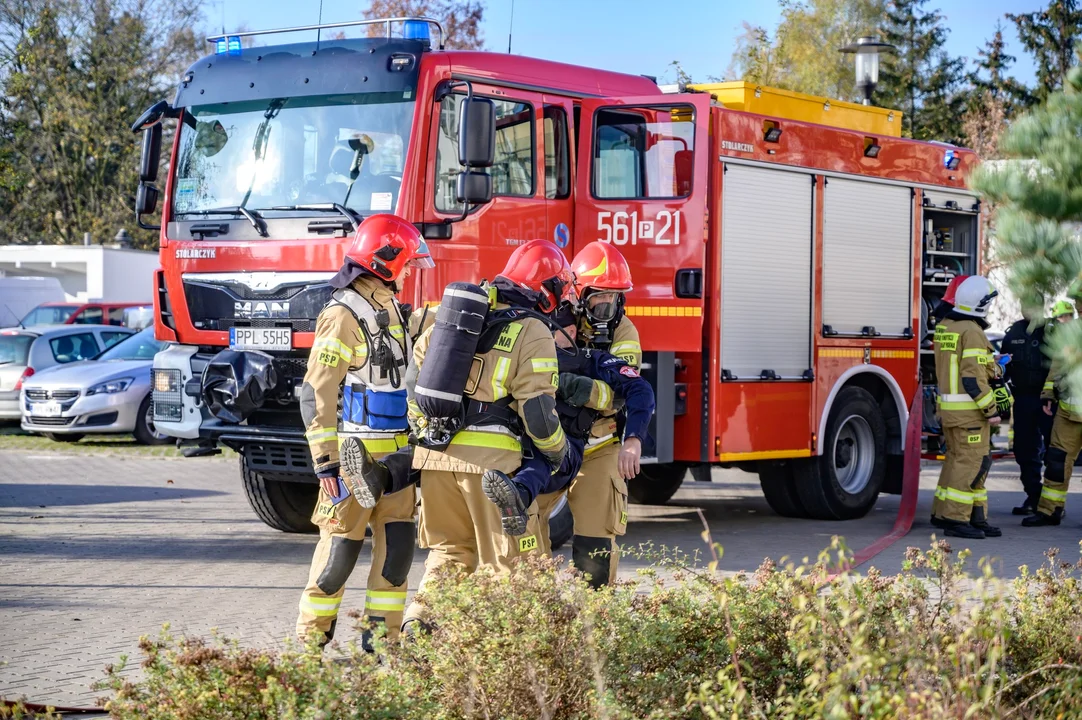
x,y
49,315
140,346
346,149
15,349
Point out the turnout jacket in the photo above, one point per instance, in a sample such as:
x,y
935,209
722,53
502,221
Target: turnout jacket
x,y
964,364
1055,389
595,381
626,346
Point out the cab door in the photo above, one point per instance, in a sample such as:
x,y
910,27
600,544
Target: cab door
x,y
642,186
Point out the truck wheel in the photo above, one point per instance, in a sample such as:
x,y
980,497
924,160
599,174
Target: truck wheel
x,y
285,506
561,523
656,484
844,482
779,487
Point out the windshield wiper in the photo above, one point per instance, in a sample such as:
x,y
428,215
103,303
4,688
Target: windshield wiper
x,y
252,217
324,207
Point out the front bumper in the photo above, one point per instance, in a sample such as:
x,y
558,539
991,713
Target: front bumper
x,y
176,414
102,413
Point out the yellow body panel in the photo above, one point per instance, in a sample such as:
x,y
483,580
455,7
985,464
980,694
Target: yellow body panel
x,y
773,102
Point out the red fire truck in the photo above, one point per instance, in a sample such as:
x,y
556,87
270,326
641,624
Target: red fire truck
x,y
782,245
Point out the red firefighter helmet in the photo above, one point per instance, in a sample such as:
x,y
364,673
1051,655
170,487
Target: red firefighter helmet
x,y
539,266
385,244
952,289
600,266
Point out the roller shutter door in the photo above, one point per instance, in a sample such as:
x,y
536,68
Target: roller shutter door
x,y
766,269
867,257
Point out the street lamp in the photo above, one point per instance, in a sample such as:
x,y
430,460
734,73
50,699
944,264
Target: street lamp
x,y
867,50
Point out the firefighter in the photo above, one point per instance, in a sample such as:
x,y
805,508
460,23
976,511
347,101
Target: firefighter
x,y
598,495
358,356
1027,371
946,304
971,398
591,382
1066,437
511,391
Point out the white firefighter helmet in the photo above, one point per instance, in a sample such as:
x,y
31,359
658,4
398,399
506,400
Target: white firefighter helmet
x,y
974,296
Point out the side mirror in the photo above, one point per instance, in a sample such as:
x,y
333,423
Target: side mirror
x,y
473,188
152,150
146,199
477,133
153,115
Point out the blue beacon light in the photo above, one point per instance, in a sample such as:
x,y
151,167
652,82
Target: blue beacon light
x,y
415,30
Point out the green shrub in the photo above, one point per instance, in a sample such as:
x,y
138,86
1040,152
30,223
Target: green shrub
x,y
784,642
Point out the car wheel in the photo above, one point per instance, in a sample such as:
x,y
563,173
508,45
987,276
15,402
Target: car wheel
x,y
65,438
844,482
145,431
561,523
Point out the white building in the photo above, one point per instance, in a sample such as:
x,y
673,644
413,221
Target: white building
x,y
86,272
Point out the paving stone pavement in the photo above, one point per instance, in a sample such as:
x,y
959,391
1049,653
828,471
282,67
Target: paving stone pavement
x,y
98,550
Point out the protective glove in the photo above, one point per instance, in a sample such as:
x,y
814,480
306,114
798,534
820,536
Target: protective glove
x,y
1002,394
575,389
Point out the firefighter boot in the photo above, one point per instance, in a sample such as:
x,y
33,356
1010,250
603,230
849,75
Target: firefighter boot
x,y
1028,507
954,528
1039,519
367,478
508,497
980,521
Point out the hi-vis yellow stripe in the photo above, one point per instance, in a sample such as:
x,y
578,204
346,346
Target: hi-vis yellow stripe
x,y
859,353
765,455
663,311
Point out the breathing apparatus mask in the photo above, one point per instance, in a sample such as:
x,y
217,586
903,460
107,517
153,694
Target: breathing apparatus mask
x,y
601,310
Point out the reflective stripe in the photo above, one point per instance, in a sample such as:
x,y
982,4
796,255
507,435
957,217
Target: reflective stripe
x,y
591,449
604,395
480,438
396,331
1054,495
545,365
627,346
1049,385
385,600
960,496
382,445
980,496
438,394
499,378
551,441
335,345
986,400
979,353
320,606
954,375
956,402
321,434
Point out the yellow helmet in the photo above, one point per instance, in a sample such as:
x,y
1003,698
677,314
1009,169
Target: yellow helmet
x,y
1061,308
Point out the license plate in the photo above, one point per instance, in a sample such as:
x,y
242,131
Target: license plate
x,y
242,338
48,409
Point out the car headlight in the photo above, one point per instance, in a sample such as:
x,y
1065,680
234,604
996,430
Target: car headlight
x,y
110,387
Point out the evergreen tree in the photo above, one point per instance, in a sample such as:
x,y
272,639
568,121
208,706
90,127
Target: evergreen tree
x,y
1050,36
990,78
1039,198
919,77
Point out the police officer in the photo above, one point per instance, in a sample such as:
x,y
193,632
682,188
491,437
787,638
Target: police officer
x,y
358,356
1066,441
598,495
511,391
971,397
1026,371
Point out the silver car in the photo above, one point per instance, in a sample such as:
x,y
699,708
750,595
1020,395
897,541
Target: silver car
x,y
109,394
25,351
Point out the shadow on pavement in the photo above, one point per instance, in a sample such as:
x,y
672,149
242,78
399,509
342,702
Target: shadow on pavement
x,y
57,495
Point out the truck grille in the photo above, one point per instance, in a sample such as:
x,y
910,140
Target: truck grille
x,y
38,394
299,325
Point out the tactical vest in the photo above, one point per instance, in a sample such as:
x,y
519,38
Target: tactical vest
x,y
374,394
1028,368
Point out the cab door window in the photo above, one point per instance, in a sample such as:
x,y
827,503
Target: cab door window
x,y
557,154
513,169
644,153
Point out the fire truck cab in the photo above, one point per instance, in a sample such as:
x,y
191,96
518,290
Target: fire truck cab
x,y
777,242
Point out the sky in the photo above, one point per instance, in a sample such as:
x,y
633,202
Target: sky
x,y
632,36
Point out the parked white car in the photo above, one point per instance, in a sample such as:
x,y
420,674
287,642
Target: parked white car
x,y
109,394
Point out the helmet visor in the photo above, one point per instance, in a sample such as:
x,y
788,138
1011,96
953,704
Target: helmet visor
x,y
603,305
422,259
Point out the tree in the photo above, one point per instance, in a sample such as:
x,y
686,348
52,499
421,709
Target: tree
x,y
74,75
1050,36
919,77
461,19
1039,194
755,58
991,78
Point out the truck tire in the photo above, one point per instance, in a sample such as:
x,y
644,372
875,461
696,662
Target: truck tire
x,y
656,484
561,523
844,482
779,487
285,506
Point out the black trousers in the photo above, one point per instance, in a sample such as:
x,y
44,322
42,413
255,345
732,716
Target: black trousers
x,y
1032,436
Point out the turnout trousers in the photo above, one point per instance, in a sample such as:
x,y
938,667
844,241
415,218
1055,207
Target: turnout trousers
x,y
460,525
341,536
1059,462
598,500
960,495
